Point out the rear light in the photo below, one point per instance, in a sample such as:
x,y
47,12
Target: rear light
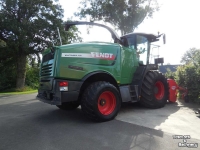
x,y
63,83
63,86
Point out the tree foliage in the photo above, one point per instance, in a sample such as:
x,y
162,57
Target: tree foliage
x,y
191,56
125,15
188,75
32,77
2,43
169,74
28,27
7,74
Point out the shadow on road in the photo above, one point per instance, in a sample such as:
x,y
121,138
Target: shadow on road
x,y
35,125
58,115
107,135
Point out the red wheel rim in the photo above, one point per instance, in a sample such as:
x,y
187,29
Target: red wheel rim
x,y
106,103
159,90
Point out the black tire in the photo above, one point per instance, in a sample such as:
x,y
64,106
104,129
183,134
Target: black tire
x,y
155,90
97,97
69,105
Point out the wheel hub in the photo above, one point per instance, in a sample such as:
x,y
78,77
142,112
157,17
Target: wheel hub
x,y
155,90
159,90
102,102
106,103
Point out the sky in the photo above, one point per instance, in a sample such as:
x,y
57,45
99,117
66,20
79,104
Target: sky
x,y
178,19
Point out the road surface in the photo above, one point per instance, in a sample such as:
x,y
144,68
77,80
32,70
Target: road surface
x,y
28,124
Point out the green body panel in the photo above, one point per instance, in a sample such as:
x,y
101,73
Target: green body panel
x,y
88,65
129,64
75,61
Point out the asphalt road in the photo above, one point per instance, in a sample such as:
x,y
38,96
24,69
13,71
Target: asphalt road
x,y
27,124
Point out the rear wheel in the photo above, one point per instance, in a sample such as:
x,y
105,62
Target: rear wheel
x,y
69,105
155,90
101,101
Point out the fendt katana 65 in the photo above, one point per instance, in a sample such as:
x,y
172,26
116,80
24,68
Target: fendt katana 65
x,y
99,76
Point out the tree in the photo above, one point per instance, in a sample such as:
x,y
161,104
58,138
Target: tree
x,y
7,74
188,74
28,27
191,56
125,15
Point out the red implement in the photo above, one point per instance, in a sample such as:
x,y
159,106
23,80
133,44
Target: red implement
x,y
173,90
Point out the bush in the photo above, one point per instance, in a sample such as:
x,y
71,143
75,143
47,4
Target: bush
x,y
7,75
32,77
169,74
189,76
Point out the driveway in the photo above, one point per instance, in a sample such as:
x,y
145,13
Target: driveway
x,y
176,118
26,123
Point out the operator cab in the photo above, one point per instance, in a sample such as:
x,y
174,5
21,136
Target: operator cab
x,y
140,42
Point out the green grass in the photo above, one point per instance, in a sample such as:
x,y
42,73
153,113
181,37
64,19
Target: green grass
x,y
25,90
16,93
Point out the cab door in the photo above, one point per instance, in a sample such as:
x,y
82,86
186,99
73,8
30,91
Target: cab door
x,y
129,63
142,49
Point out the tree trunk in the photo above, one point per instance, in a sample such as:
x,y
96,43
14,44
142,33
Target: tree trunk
x,y
21,71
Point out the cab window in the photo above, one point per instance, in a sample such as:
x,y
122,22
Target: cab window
x,y
141,48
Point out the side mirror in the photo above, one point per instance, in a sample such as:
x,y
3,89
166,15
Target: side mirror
x,y
164,39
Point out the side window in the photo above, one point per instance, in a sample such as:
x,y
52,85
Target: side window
x,y
125,42
131,42
142,47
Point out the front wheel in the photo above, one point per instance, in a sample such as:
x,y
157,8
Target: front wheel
x,y
101,101
155,90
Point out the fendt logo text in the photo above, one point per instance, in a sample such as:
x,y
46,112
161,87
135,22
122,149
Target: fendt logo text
x,y
103,55
106,56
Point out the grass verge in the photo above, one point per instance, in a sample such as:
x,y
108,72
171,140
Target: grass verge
x,y
17,93
14,91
